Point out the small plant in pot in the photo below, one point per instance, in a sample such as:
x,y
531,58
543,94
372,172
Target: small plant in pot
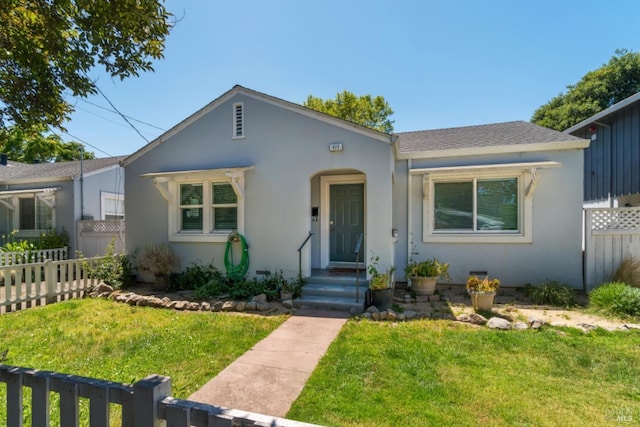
x,y
161,261
424,274
482,292
380,284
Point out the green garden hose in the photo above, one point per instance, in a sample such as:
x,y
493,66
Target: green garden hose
x,y
236,271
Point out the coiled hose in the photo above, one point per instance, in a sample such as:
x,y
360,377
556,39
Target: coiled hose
x,y
236,271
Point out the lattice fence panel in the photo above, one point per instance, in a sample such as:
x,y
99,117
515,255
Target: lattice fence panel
x,y
102,227
615,219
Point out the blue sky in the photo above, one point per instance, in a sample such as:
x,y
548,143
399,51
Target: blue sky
x,y
438,63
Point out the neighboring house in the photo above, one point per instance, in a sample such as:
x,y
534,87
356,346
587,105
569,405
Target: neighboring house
x,y
40,196
504,199
612,161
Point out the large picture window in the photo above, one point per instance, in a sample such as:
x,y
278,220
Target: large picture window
x,y
477,205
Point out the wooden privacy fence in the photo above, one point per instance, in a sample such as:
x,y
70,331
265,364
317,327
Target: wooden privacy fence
x,y
94,236
147,403
11,258
26,285
611,236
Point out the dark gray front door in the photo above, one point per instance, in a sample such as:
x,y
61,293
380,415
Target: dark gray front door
x,y
346,220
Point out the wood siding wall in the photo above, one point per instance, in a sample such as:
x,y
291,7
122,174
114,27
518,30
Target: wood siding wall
x,y
612,161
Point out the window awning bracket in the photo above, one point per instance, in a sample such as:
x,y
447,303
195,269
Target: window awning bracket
x,y
425,186
533,183
47,200
162,185
8,203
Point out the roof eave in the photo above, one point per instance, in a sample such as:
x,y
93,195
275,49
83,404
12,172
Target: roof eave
x,y
577,144
604,113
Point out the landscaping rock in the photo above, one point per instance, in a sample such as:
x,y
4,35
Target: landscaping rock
x,y
367,315
383,315
587,326
260,298
391,315
536,323
229,306
375,315
205,306
499,323
193,306
402,316
241,306
477,319
263,306
372,309
288,303
520,326
251,306
104,294
181,305
217,306
410,314
101,288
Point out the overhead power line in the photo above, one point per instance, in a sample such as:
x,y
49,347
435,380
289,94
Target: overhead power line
x,y
115,112
121,115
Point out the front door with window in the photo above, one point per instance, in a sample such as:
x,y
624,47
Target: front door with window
x,y
346,220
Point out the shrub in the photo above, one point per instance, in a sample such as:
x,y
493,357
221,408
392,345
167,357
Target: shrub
x,y
628,272
605,296
616,298
196,276
113,269
51,239
552,292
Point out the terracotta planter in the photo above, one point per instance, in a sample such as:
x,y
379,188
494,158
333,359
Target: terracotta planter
x,y
482,300
423,285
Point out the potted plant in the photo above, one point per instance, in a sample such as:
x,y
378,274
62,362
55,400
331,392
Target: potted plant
x,y
161,261
424,275
482,292
380,284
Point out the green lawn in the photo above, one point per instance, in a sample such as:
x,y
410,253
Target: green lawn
x,y
447,374
105,340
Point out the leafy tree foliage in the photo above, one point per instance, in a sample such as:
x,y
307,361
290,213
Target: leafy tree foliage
x,y
47,47
363,110
596,91
33,145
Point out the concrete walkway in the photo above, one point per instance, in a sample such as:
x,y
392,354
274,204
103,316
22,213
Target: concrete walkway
x,y
270,376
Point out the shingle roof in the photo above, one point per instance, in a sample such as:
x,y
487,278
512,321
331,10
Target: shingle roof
x,y
491,135
25,171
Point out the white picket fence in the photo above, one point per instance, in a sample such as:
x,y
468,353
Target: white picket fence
x,y
12,258
147,403
27,285
611,236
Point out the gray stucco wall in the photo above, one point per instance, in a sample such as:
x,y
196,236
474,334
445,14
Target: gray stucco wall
x,y
289,151
110,180
555,252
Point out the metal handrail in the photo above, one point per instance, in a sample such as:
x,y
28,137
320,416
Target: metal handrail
x,y
300,255
357,251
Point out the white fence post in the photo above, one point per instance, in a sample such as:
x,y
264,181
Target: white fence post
x,y
50,279
146,395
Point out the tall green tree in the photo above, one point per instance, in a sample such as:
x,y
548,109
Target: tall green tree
x,y
597,90
34,145
372,112
47,47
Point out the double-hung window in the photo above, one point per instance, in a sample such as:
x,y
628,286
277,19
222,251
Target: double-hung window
x,y
210,206
34,214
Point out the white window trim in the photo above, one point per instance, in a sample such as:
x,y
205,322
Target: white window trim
x,y
47,199
207,234
527,173
525,212
235,134
104,196
168,185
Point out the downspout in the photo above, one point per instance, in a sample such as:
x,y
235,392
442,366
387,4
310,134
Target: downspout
x,y
409,210
81,183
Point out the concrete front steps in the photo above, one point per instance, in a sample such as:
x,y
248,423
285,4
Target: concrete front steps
x,y
334,292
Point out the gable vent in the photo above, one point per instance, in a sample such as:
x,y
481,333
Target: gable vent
x,y
238,120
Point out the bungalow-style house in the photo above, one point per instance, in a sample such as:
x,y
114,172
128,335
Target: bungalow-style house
x,y
502,199
37,197
612,161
